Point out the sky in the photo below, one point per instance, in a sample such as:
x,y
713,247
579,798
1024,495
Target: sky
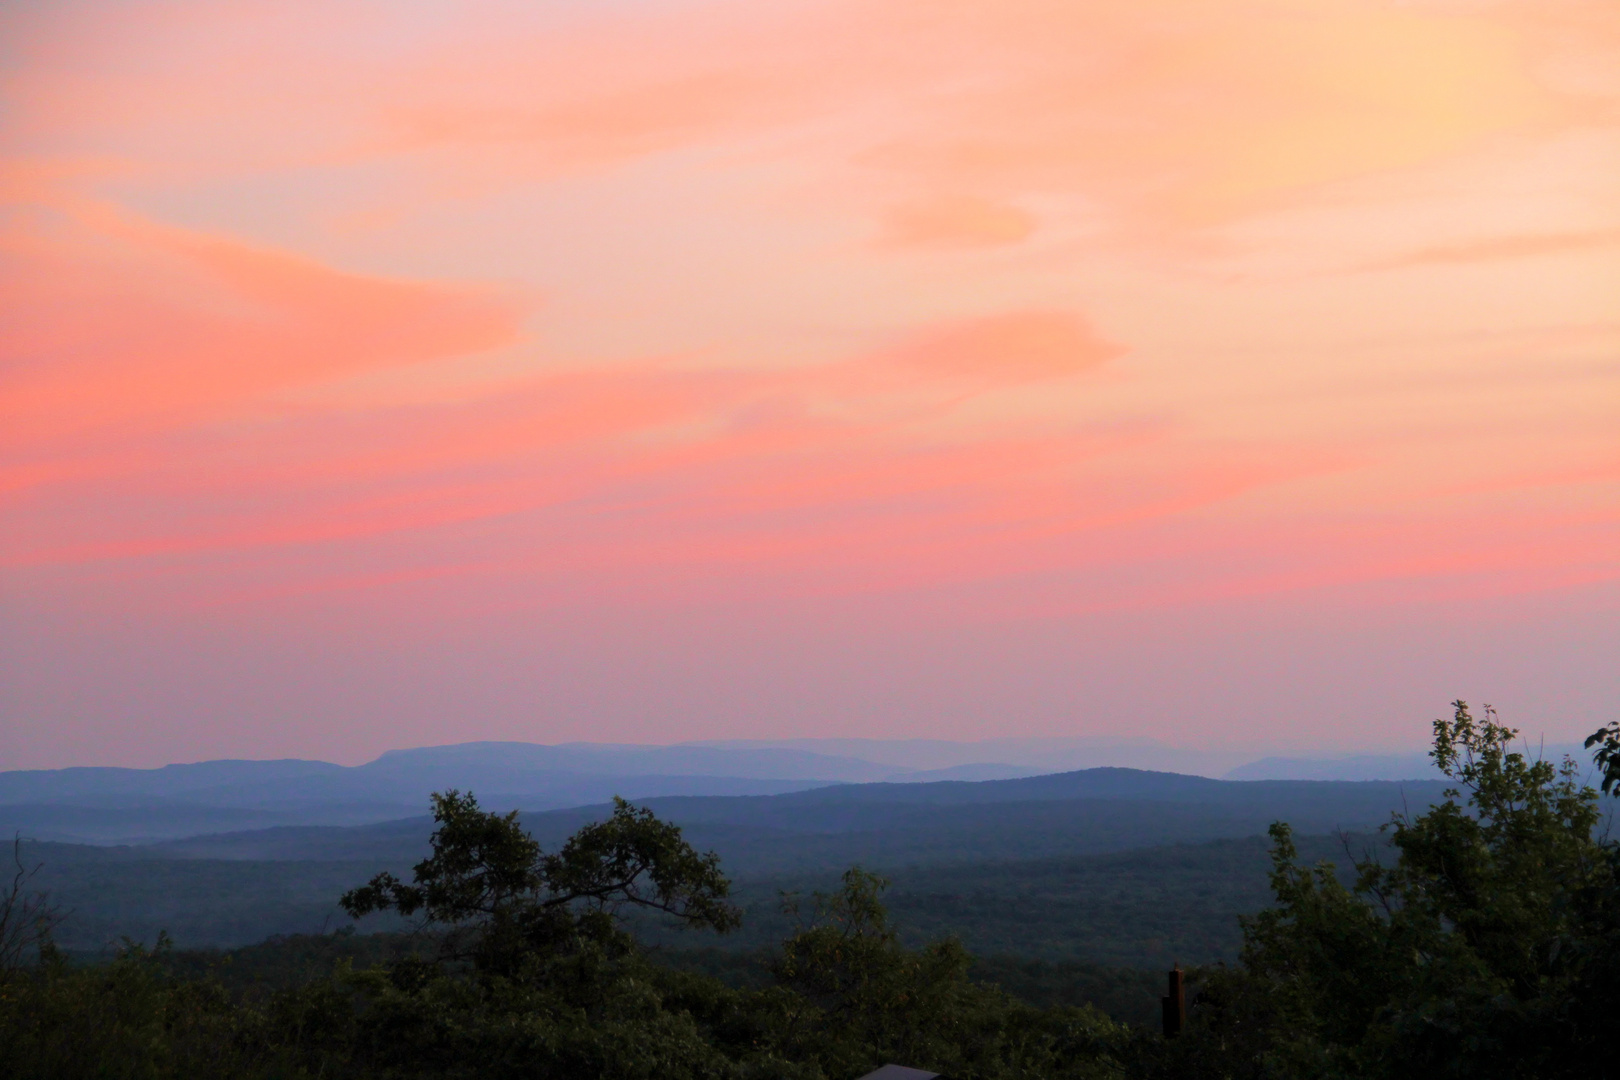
x,y
1232,374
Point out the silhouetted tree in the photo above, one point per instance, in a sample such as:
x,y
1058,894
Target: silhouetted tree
x,y
27,916
1488,949
502,902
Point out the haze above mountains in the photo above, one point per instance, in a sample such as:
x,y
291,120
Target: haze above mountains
x,y
121,806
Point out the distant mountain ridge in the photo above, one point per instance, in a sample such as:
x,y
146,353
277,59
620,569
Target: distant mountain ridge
x,y
798,839
1045,754
1413,766
51,785
115,805
904,824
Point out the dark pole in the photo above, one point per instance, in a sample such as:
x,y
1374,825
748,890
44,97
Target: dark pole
x,y
1175,1005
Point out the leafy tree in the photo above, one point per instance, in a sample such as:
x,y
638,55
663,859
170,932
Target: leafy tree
x,y
502,902
130,1019
1607,755
855,987
1486,950
536,975
851,997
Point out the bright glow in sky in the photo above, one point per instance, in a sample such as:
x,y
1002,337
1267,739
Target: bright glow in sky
x,y
1231,373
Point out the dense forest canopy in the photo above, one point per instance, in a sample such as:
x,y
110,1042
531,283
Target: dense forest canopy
x,y
1483,941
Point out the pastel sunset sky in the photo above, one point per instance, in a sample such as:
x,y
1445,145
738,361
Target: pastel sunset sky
x,y
1241,373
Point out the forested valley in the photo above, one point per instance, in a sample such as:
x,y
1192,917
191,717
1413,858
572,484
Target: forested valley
x,y
1478,935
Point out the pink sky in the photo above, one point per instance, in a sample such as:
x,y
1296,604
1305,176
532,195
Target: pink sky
x,y
1238,374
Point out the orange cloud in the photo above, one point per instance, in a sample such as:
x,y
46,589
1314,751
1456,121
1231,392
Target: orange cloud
x,y
955,221
1494,248
120,323
161,401
1011,348
1191,116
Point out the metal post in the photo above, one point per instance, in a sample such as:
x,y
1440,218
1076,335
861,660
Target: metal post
x,y
1174,1005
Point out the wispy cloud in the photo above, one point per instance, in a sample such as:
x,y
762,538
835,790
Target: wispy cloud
x,y
1494,249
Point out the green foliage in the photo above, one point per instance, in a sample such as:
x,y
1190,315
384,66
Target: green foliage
x,y
1607,755
523,969
128,1019
858,995
1128,995
507,905
554,987
1488,949
852,997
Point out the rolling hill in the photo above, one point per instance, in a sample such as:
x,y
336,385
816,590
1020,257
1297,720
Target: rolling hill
x,y
234,888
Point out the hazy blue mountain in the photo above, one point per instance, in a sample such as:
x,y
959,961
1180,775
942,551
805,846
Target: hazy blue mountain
x,y
1099,784
984,771
1361,767
170,781
137,820
113,805
892,825
511,759
520,767
1413,766
110,805
943,839
104,805
1047,865
141,819
1042,755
